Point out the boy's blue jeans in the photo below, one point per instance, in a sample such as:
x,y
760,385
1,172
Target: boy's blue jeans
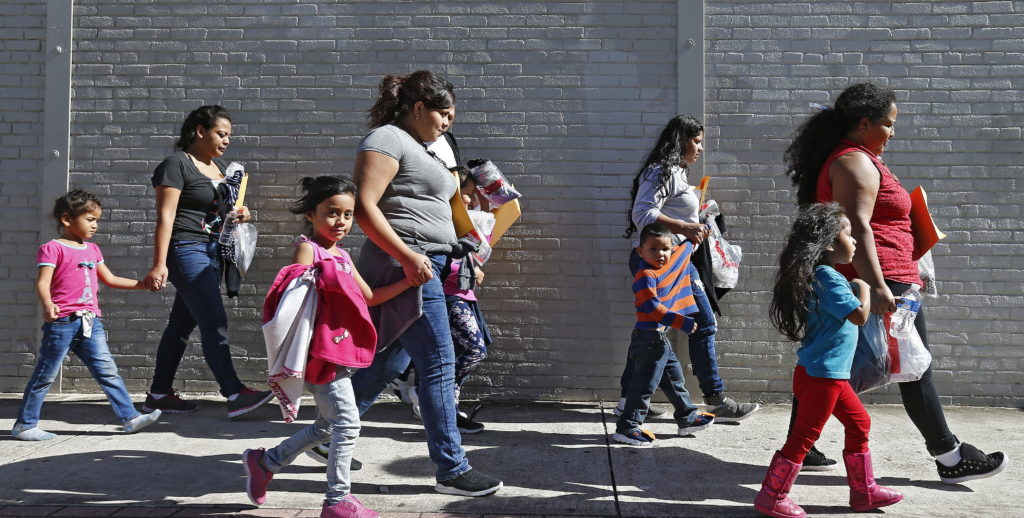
x,y
654,364
337,422
428,343
60,337
194,269
703,356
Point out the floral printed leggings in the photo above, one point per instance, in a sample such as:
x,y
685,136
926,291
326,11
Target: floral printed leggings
x,y
470,348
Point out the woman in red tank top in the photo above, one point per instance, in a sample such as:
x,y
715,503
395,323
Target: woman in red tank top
x,y
836,156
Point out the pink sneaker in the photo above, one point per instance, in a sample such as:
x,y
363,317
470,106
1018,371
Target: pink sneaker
x,y
256,478
348,507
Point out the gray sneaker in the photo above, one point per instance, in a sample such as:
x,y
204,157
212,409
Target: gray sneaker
x,y
652,411
727,410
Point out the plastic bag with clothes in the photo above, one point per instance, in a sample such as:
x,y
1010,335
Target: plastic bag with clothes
x,y
871,361
914,359
725,257
245,236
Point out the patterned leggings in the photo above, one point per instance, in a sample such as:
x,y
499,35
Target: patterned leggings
x,y
470,348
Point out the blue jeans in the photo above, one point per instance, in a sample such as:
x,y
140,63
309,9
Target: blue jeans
x,y
428,344
194,268
654,364
703,356
337,422
60,337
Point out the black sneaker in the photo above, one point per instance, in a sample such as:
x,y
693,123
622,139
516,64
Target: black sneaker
x,y
247,401
470,483
817,461
319,453
171,403
467,425
974,464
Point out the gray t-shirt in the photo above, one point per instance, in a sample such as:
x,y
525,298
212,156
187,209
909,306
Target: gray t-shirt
x,y
416,202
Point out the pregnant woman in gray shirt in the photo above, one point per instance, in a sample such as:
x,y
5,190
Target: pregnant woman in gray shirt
x,y
403,208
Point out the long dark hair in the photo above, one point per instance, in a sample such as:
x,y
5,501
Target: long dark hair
x,y
819,134
398,95
668,151
318,189
205,116
815,229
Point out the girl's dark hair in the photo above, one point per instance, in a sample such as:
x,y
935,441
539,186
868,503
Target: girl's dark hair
x,y
654,230
205,116
398,95
815,229
819,134
73,203
668,151
318,189
464,176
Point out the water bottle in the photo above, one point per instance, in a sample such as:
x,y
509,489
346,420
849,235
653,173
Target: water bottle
x,y
227,231
906,312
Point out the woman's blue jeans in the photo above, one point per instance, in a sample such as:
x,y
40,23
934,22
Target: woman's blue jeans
x,y
194,268
60,337
703,356
428,344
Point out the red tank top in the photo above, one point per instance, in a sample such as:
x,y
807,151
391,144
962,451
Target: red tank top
x,y
890,219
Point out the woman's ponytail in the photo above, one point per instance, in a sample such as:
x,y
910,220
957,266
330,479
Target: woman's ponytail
x,y
397,95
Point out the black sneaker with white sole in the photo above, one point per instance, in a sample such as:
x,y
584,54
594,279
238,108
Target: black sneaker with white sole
x,y
467,425
319,453
470,483
817,461
974,464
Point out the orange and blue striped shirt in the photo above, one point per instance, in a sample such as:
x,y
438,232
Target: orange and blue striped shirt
x,y
663,296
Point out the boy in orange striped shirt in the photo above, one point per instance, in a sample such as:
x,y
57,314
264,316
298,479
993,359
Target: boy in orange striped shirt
x,y
663,298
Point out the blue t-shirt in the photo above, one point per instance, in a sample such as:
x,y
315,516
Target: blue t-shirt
x,y
826,350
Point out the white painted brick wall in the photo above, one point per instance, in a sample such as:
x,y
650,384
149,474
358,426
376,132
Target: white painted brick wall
x,y
566,98
22,34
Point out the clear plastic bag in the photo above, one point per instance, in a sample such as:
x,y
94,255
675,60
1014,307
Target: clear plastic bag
x,y
871,362
926,269
245,236
914,359
725,258
483,226
491,183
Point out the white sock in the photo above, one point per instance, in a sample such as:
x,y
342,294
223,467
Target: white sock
x,y
622,402
157,396
950,458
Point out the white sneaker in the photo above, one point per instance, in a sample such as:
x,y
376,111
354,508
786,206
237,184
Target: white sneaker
x,y
141,421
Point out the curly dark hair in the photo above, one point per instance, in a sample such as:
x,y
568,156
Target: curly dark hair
x,y
668,151
819,134
73,203
815,229
398,95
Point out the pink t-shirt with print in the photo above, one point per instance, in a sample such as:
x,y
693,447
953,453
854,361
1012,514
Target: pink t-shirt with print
x,y
75,285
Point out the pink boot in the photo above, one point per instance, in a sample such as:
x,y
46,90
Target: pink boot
x,y
773,500
865,495
348,507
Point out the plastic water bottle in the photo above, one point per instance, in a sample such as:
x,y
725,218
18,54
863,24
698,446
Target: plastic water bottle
x,y
906,312
227,231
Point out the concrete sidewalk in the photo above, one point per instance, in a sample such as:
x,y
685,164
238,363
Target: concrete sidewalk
x,y
554,458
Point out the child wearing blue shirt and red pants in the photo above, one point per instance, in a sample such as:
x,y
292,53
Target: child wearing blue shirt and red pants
x,y
813,303
663,298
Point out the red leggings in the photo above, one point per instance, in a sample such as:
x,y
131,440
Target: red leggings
x,y
820,398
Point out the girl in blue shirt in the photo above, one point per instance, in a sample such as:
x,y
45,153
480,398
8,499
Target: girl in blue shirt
x,y
813,303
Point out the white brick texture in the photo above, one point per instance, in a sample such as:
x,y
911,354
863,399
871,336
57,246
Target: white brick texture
x,y
566,97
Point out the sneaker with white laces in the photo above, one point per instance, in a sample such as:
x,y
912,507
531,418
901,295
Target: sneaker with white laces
x,y
701,421
974,464
348,507
470,483
817,461
635,437
170,403
246,401
140,421
321,452
727,410
256,478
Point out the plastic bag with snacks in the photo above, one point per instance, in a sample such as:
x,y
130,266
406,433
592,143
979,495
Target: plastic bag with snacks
x,y
491,183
